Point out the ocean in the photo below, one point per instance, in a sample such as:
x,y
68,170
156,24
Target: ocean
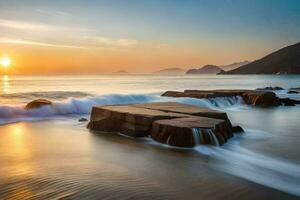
x,y
47,154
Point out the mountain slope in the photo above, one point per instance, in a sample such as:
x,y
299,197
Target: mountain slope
x,y
283,61
207,69
234,65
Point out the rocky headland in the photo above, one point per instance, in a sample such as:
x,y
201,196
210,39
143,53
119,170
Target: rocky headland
x,y
283,61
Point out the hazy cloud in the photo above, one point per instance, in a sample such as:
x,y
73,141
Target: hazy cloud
x,y
13,24
104,41
53,13
35,43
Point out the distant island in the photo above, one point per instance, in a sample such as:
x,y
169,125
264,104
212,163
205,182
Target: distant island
x,y
206,69
121,72
171,71
214,69
283,61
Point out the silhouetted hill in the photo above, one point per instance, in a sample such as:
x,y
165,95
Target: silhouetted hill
x,y
234,65
207,69
283,61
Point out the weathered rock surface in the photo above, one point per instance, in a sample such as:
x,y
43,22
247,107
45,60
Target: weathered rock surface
x,y
265,99
166,122
128,119
38,103
175,107
187,132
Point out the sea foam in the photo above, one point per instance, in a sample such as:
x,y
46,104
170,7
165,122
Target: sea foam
x,y
82,106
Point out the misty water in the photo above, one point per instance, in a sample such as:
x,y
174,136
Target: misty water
x,y
47,153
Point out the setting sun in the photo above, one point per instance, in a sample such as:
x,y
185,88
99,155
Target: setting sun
x,y
5,61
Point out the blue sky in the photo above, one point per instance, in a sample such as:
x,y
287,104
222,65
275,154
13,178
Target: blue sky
x,y
248,28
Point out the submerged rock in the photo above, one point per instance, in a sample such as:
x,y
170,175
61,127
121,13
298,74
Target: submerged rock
x,y
166,122
38,103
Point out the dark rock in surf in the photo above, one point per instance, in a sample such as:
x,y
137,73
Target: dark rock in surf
x,y
298,88
270,88
237,129
289,102
293,92
82,119
263,99
38,103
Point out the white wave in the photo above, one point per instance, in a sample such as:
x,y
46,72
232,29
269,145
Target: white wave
x,y
239,161
82,106
214,103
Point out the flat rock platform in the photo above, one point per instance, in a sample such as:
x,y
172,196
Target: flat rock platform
x,y
170,123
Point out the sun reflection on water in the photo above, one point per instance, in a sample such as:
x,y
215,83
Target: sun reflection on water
x,y
17,148
5,84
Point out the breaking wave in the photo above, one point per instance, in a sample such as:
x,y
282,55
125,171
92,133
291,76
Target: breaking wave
x,y
82,106
58,95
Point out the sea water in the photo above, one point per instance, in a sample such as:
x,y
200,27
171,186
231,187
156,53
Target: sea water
x,y
47,153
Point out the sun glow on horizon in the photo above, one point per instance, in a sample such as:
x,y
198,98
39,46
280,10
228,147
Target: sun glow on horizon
x,y
5,62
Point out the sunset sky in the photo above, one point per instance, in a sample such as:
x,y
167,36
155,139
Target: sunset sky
x,y
80,36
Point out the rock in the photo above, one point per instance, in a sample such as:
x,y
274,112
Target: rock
x,y
175,107
105,124
38,103
166,122
289,102
271,88
128,119
298,88
188,132
251,97
293,92
237,129
264,99
83,120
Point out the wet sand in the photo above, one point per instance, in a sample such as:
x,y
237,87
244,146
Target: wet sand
x,y
63,160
